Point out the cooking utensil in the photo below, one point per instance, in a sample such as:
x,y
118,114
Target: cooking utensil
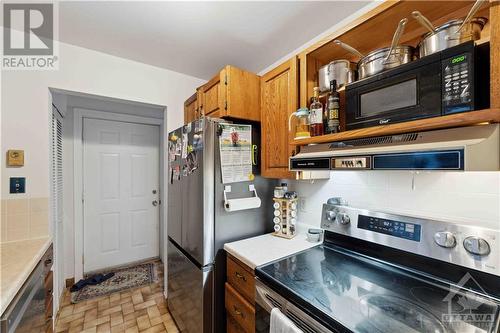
x,y
382,59
451,33
386,58
395,39
424,21
340,70
471,13
348,48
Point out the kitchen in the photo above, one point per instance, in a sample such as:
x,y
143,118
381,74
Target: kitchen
x,y
374,162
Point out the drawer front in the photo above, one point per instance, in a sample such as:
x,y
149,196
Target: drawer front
x,y
239,308
241,279
48,259
233,326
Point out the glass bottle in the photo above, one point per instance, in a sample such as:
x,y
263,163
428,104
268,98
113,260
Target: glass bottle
x,y
316,115
332,124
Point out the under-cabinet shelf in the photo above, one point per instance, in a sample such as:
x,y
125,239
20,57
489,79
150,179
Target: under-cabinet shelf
x,y
449,121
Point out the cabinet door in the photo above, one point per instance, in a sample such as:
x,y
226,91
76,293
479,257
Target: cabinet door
x,y
242,94
279,98
199,103
190,109
213,95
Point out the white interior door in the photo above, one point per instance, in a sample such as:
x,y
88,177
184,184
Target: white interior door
x,y
121,191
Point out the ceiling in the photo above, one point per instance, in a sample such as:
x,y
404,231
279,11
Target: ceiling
x,y
199,38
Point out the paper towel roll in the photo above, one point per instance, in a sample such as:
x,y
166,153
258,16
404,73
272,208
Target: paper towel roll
x,y
233,205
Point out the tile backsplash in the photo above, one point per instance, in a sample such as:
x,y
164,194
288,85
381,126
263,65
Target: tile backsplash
x,y
464,197
25,218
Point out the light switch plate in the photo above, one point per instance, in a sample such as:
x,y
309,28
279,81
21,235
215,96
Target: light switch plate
x,y
17,185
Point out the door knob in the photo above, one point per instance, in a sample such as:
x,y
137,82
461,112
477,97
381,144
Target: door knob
x,y
155,203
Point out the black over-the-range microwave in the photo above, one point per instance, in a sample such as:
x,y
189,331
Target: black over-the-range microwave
x,y
451,81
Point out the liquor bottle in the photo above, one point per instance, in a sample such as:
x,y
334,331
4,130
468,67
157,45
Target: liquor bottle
x,y
316,114
332,124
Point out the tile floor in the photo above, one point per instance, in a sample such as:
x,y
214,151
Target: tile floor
x,y
143,309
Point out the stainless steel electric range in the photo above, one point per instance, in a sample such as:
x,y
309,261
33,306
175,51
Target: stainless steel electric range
x,y
378,272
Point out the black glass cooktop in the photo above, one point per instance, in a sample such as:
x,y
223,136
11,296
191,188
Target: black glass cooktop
x,y
367,296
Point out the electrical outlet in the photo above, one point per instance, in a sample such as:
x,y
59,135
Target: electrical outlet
x,y
302,204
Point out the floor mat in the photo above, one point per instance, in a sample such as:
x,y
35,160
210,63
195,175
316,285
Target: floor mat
x,y
124,278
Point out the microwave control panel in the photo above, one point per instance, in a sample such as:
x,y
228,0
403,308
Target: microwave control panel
x,y
457,83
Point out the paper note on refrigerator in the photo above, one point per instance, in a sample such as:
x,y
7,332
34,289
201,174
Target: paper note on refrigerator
x,y
235,144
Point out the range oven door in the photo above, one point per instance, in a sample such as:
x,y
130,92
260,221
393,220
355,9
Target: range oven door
x,y
266,299
392,98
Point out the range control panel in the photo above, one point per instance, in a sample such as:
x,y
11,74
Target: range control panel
x,y
404,230
465,245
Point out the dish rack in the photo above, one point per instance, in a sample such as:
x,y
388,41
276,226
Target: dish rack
x,y
285,217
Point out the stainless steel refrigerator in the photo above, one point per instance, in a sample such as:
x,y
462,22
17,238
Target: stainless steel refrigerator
x,y
199,226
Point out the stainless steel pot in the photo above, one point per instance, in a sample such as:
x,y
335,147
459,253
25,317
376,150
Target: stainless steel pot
x,y
340,70
451,33
384,58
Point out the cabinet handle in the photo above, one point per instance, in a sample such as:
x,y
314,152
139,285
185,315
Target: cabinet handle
x,y
240,276
48,262
237,312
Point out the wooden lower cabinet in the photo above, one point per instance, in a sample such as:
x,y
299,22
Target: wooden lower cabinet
x,y
242,278
233,326
240,309
240,297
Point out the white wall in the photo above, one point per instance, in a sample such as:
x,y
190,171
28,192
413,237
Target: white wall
x,y
25,102
466,197
25,107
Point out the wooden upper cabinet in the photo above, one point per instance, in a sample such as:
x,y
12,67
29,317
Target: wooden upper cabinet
x,y
190,109
232,93
279,98
212,98
199,102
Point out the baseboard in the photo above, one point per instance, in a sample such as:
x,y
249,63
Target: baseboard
x,y
70,282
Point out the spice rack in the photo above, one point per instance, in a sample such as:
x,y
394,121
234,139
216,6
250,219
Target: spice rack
x,y
285,217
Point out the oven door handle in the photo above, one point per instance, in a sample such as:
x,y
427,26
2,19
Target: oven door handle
x,y
268,299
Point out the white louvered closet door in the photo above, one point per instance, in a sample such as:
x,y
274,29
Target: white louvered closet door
x,y
57,168
56,196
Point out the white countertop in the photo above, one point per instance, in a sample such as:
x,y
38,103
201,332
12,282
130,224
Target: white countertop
x,y
18,260
260,250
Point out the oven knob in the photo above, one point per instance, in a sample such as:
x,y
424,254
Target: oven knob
x,y
343,218
445,239
477,245
330,215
